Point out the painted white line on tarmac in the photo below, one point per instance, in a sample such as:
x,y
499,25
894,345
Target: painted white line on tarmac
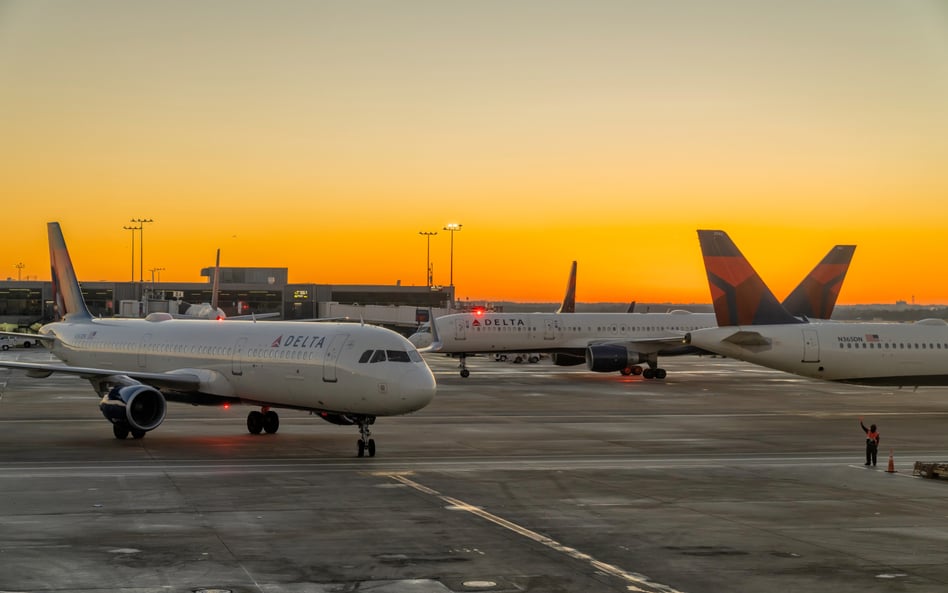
x,y
635,582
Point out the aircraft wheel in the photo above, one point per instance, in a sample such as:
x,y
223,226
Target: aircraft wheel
x,y
27,344
534,359
361,448
648,374
138,434
120,430
271,422
371,447
660,373
255,422
626,372
465,373
636,370
5,347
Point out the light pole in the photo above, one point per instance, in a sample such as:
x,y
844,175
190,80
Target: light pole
x,y
133,229
452,227
427,235
153,270
19,270
141,247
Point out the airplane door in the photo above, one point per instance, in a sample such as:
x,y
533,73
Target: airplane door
x,y
143,351
549,332
811,346
332,355
236,367
460,329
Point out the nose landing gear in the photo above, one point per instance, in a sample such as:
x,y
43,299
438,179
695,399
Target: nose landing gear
x,y
366,444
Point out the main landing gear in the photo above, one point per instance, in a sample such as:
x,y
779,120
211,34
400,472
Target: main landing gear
x,y
463,365
266,420
366,444
652,372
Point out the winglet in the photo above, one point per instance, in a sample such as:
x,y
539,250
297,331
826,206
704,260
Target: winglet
x,y
738,293
816,295
569,300
435,338
66,292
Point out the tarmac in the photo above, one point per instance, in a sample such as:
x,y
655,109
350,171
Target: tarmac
x,y
724,477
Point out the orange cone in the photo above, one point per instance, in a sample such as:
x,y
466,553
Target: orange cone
x,y
891,468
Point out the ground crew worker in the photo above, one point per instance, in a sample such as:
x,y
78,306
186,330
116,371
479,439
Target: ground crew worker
x,y
872,442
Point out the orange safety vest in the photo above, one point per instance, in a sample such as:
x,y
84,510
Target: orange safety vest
x,y
873,436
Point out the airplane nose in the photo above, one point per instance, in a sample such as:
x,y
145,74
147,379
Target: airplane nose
x,y
419,388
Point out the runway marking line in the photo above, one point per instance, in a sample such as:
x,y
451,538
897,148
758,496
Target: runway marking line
x,y
634,581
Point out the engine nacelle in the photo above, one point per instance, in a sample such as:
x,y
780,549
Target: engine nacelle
x,y
562,359
609,358
141,406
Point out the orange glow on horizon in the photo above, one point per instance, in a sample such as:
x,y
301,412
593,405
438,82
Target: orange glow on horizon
x,y
323,137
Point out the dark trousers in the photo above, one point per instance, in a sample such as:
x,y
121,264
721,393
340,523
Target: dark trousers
x,y
872,451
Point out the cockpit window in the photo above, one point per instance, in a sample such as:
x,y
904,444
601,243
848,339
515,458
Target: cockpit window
x,y
398,356
391,355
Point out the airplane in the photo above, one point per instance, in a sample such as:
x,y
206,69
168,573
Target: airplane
x,y
212,310
754,327
344,373
422,338
609,342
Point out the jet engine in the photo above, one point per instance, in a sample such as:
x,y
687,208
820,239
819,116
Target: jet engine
x,y
608,358
141,406
563,359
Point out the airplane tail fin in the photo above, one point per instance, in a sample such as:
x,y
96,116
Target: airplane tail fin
x,y
569,300
816,295
216,286
66,293
739,294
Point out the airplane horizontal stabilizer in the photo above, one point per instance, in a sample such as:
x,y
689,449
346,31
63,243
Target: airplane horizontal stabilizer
x,y
747,338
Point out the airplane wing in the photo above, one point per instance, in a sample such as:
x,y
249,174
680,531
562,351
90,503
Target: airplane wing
x,y
645,345
22,335
185,380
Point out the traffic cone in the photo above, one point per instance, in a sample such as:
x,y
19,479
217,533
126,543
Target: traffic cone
x,y
891,468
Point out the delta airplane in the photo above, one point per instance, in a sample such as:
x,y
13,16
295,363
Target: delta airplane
x,y
345,373
422,338
609,342
211,310
754,327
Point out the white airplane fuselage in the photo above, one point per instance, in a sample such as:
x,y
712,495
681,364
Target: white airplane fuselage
x,y
550,332
285,364
894,354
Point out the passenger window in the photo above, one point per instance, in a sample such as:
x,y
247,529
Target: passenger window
x,y
379,356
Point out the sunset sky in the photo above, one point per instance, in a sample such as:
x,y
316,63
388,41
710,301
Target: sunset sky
x,y
323,136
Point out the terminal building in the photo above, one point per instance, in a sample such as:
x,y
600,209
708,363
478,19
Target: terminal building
x,y
242,291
